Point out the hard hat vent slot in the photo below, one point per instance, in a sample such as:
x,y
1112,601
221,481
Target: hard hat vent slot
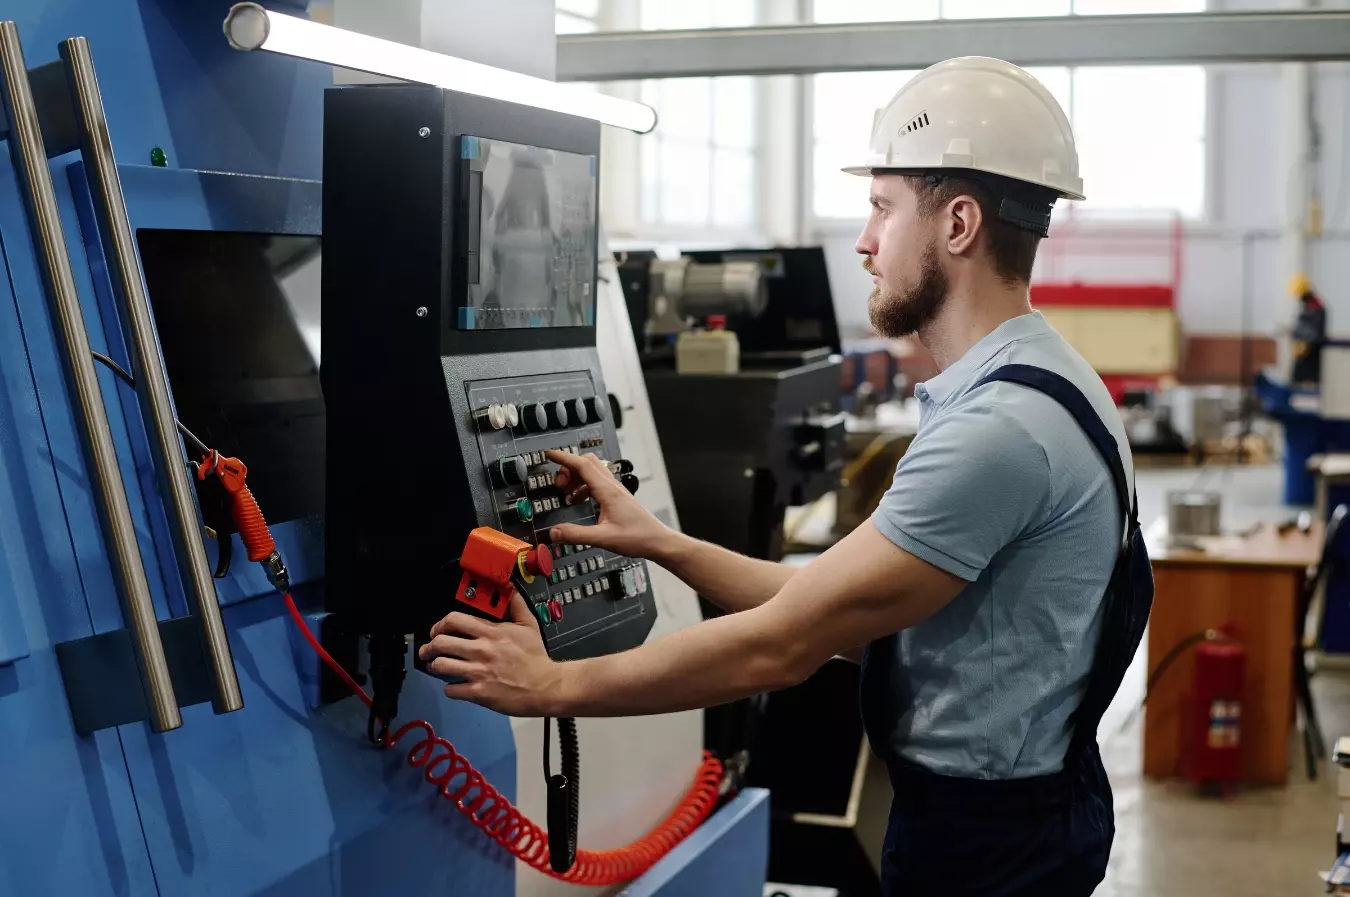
x,y
917,122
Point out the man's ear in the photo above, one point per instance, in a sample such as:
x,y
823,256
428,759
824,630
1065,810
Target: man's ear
x,y
965,219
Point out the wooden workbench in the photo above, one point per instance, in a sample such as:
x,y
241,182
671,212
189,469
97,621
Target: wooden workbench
x,y
1252,581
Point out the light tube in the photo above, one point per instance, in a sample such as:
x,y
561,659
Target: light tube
x,y
249,26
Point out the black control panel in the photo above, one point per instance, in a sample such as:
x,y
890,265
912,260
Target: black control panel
x,y
459,344
517,420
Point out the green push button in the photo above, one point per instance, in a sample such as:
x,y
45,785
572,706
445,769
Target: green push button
x,y
524,509
541,611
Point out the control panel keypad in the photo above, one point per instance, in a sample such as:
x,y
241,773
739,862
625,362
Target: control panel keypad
x,y
516,420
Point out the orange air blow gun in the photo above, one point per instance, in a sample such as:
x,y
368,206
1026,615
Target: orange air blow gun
x,y
248,517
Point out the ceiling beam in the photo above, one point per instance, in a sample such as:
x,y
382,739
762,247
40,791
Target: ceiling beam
x,y
1308,36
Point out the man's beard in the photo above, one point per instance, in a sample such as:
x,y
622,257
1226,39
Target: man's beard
x,y
896,315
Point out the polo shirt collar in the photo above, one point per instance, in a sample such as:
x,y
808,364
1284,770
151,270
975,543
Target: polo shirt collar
x,y
938,389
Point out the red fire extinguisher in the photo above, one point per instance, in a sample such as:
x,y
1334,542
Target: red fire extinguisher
x,y
1214,731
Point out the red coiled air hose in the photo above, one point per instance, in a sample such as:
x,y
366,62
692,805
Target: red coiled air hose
x,y
465,787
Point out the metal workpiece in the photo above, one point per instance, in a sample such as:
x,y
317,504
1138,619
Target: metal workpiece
x,y
152,384
1189,38
35,183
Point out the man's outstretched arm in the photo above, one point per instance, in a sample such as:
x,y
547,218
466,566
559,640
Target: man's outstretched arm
x,y
863,588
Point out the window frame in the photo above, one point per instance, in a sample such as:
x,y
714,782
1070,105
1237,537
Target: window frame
x,y
660,228
812,223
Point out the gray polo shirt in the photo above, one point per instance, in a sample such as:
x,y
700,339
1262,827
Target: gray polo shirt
x,y
1001,488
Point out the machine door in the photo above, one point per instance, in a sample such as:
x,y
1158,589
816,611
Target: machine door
x,y
279,798
70,824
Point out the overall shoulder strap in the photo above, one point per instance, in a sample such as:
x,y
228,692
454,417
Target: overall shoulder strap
x,y
1071,397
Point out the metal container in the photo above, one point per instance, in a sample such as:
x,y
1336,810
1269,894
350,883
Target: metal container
x,y
1213,409
1191,513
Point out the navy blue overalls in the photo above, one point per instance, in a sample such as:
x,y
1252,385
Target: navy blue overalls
x,y
1044,836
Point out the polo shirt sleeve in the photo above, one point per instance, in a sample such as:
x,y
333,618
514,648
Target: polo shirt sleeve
x,y
971,482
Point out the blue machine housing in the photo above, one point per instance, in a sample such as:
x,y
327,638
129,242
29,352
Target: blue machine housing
x,y
280,797
277,798
284,797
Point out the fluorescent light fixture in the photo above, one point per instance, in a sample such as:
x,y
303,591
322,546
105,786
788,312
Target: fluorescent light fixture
x,y
250,27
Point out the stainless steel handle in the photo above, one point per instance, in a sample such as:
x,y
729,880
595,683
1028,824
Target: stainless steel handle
x,y
152,383
35,183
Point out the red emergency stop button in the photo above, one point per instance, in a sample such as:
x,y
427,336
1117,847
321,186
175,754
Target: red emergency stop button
x,y
555,609
539,561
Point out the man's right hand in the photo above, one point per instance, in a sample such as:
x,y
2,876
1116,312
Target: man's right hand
x,y
623,526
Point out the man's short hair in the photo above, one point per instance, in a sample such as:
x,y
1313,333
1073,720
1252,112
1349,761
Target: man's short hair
x,y
1012,248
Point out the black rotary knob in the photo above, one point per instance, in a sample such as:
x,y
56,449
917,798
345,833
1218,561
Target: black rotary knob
x,y
508,471
557,414
533,418
596,409
577,416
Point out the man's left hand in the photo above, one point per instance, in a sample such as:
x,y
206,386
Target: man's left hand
x,y
503,666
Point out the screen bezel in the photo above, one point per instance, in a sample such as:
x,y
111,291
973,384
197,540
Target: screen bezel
x,y
470,243
472,116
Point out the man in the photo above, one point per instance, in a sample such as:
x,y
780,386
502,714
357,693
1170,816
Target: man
x,y
978,586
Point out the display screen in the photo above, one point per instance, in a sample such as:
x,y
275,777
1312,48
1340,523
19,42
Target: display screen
x,y
530,236
238,317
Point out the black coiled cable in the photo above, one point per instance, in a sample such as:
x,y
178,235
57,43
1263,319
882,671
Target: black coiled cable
x,y
564,795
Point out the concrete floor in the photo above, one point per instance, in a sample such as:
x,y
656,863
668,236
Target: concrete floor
x,y
1172,841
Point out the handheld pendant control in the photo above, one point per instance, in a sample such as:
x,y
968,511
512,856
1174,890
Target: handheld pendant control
x,y
492,563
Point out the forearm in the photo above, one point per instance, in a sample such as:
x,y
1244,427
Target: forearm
x,y
715,662
732,581
860,590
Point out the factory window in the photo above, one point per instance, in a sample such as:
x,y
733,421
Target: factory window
x,y
1159,167
669,15
698,167
1136,7
875,10
1125,167
911,10
576,16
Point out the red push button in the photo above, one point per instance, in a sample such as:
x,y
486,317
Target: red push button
x,y
539,561
555,610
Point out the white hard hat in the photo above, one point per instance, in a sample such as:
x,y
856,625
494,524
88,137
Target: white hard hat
x,y
979,115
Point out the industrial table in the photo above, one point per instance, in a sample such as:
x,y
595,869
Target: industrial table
x,y
1253,581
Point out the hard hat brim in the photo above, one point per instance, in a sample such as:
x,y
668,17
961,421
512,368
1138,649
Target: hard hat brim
x,y
869,170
